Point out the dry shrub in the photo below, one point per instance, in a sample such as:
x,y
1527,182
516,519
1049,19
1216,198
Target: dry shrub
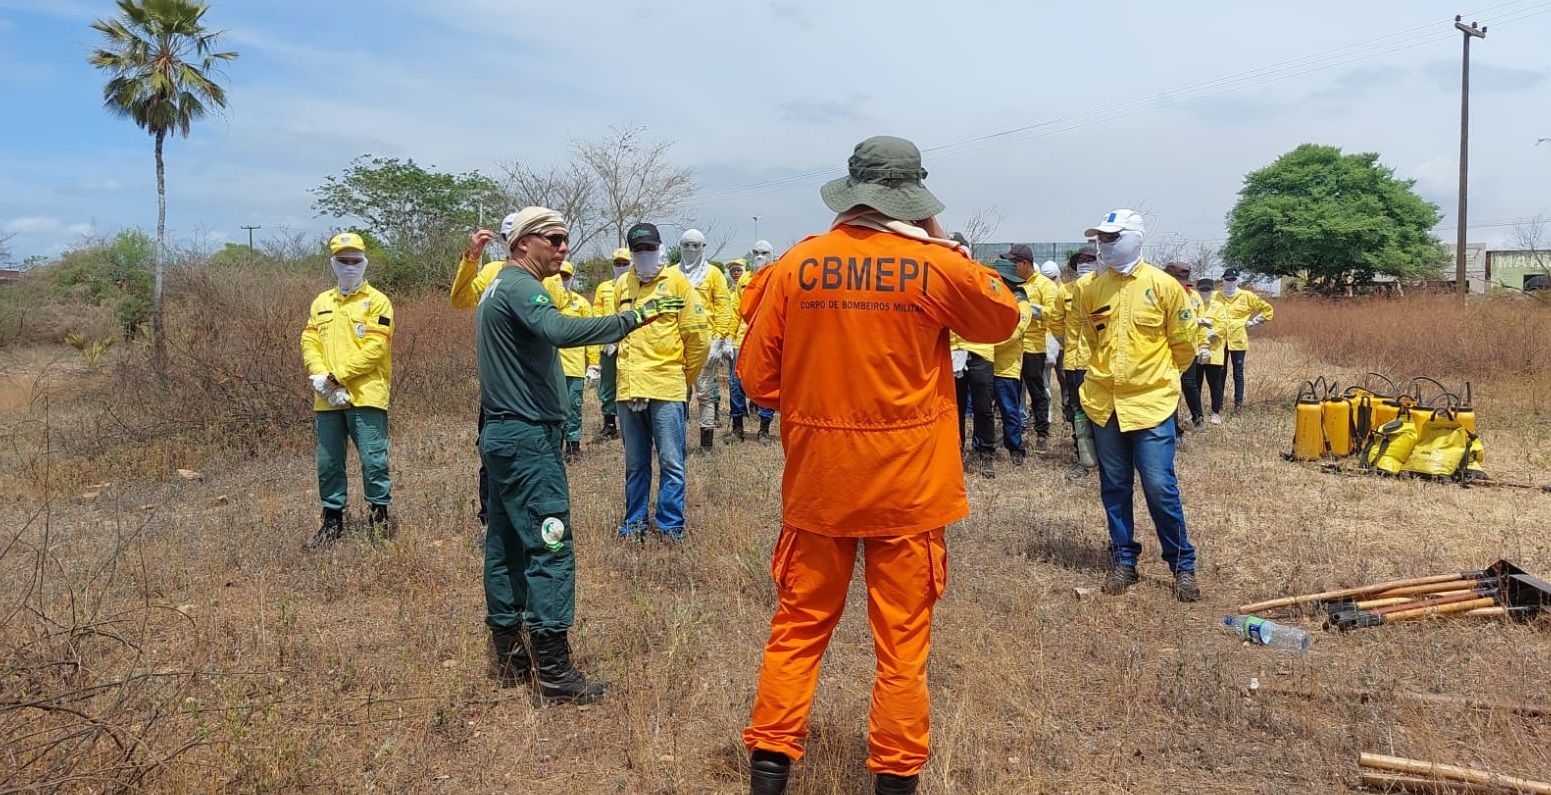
x,y
1489,338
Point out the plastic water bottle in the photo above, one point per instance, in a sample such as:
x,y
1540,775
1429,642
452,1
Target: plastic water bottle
x,y
1268,633
1087,454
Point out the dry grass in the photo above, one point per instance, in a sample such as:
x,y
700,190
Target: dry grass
x,y
244,664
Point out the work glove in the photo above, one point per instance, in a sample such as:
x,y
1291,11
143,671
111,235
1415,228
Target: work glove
x,y
338,397
720,348
610,349
1212,338
1254,321
1038,311
960,363
1205,322
594,372
657,308
319,384
1204,355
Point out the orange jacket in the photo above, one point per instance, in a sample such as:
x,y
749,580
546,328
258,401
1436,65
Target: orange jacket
x,y
848,339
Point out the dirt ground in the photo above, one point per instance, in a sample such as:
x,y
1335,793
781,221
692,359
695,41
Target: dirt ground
x,y
200,649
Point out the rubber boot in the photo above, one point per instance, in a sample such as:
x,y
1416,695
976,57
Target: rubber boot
x,y
768,771
333,528
559,682
513,663
895,785
381,526
707,440
737,430
764,432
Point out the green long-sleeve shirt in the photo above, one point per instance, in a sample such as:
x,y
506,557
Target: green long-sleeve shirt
x,y
520,333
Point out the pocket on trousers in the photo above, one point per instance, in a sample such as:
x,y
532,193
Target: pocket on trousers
x,y
781,559
937,553
543,509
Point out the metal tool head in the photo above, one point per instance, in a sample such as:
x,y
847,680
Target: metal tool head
x,y
1527,591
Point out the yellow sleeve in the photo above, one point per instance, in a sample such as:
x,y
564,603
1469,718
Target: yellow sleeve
x,y
1179,325
1263,308
721,299
312,344
1055,314
695,329
378,343
471,281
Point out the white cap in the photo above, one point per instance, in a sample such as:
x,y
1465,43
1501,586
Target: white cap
x,y
1117,221
1050,269
692,236
763,247
506,225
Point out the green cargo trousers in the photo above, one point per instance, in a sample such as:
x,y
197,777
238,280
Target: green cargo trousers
x,y
367,427
574,387
526,581
608,374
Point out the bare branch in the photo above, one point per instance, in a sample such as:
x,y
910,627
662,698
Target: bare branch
x,y
636,180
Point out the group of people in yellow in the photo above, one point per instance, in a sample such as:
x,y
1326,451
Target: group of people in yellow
x,y
1126,339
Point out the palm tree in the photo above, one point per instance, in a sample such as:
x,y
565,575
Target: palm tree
x,y
162,63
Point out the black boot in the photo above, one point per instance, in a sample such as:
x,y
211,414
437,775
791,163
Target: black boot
x,y
610,429
707,440
573,451
895,785
333,528
559,681
381,526
768,771
513,664
737,430
764,432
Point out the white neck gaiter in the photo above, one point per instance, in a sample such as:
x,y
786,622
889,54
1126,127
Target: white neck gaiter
x,y
647,264
1122,255
349,277
1230,289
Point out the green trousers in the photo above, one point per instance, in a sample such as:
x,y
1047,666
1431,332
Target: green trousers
x,y
573,419
525,580
608,368
368,429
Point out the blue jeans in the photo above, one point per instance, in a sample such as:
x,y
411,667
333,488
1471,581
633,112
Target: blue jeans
x,y
1150,452
1009,400
1236,358
660,426
740,401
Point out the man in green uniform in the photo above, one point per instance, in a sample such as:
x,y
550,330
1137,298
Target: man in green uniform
x,y
530,566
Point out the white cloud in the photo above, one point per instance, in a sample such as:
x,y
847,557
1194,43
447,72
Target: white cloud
x,y
34,225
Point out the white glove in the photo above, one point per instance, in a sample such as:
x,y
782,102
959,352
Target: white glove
x,y
720,348
1254,321
960,363
338,398
1038,311
1213,337
318,382
1206,322
1204,355
594,372
609,349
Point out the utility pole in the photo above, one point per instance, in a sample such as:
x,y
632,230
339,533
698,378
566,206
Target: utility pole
x,y
250,235
756,227
1461,281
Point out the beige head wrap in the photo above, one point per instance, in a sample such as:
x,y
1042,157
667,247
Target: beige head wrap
x,y
534,221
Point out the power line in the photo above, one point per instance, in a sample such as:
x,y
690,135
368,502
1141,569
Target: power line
x,y
1282,70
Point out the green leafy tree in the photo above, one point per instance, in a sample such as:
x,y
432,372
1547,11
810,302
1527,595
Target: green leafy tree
x,y
1332,219
422,216
162,66
118,272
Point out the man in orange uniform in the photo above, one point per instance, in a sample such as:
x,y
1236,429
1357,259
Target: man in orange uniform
x,y
848,338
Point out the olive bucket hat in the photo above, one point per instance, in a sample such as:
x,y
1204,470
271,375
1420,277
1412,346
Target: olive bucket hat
x,y
886,175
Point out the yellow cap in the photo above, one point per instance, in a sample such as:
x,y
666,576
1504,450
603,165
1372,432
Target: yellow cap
x,y
738,261
345,240
567,268
621,254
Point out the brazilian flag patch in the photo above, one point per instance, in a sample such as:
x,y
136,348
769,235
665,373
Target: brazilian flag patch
x,y
540,299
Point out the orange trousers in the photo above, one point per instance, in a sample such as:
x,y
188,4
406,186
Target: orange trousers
x,y
905,576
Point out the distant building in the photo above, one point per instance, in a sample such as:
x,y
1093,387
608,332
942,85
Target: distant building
x,y
7,276
1511,269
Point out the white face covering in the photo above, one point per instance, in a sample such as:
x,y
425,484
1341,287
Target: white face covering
x,y
1086,267
762,256
620,270
350,277
1230,289
1123,254
647,264
692,259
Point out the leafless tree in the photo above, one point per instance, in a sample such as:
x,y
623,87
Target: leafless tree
x,y
5,250
1533,242
982,224
635,177
571,189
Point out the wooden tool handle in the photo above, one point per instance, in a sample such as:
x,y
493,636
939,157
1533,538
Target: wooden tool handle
x,y
1440,610
1372,603
1488,612
1419,590
1417,767
1418,604
1396,782
1289,601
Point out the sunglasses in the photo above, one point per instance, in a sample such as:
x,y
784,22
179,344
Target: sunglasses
x,y
349,260
556,239
1108,237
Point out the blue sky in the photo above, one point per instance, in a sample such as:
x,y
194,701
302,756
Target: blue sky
x,y
1179,105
